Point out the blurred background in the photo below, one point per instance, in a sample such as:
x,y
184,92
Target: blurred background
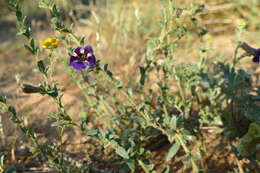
x,y
118,30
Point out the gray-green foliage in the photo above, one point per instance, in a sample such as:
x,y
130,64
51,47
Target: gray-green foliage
x,y
210,94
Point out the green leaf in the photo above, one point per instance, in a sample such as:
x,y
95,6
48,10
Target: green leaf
x,y
27,32
83,123
57,124
179,120
131,165
167,169
11,6
173,122
247,145
143,76
55,10
83,114
189,137
187,163
14,119
121,152
12,110
162,16
2,156
19,15
41,67
37,51
119,84
150,167
54,91
92,132
110,74
105,67
130,92
23,129
54,22
146,167
43,4
82,39
32,43
29,48
174,149
2,98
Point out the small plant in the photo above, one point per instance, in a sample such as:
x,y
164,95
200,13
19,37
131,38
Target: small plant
x,y
209,94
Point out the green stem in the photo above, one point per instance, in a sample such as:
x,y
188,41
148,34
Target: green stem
x,y
75,39
60,139
181,141
234,62
182,93
83,89
140,162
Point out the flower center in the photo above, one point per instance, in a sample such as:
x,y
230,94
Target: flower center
x,y
82,57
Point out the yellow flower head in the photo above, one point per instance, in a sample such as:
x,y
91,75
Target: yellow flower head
x,y
207,37
50,43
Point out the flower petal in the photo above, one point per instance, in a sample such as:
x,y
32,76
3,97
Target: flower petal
x,y
256,59
91,60
79,65
82,51
72,59
77,50
74,54
88,49
77,58
90,54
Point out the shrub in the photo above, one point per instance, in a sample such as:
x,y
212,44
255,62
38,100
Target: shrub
x,y
211,93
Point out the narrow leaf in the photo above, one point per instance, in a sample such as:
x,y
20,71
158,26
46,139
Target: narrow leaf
x,y
166,170
173,122
28,48
92,132
122,152
143,76
2,98
82,39
12,110
174,149
131,165
41,67
32,43
105,67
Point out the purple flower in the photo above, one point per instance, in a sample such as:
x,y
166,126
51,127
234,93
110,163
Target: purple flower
x,y
82,57
256,58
